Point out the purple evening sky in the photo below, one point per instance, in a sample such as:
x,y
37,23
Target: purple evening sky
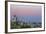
x,y
24,10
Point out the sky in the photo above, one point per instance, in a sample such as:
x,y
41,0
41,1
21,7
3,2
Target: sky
x,y
32,11
25,10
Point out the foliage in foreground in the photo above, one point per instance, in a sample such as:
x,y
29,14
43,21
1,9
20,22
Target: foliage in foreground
x,y
15,25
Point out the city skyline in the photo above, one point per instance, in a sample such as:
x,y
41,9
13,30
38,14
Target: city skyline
x,y
30,13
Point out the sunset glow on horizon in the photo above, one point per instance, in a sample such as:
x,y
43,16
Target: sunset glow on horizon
x,y
20,10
